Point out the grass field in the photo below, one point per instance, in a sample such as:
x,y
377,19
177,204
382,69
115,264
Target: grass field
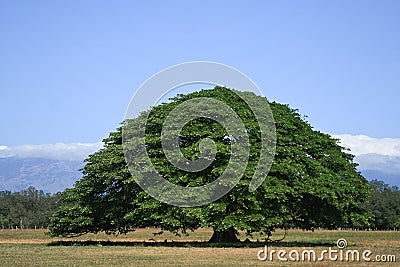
x,y
33,248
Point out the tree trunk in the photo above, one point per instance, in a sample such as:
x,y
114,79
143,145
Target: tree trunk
x,y
227,236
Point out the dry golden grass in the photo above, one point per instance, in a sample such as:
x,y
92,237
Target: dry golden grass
x,y
30,248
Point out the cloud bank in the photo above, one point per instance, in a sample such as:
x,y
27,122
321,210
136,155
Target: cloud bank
x,y
359,145
362,144
59,151
375,154
378,158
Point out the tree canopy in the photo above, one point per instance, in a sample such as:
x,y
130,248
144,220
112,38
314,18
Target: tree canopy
x,y
312,182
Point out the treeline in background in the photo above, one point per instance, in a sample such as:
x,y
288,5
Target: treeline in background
x,y
384,204
29,208
32,208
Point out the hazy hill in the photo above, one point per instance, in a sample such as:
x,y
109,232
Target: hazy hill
x,y
380,167
49,175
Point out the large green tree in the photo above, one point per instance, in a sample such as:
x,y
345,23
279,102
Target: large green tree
x,y
313,181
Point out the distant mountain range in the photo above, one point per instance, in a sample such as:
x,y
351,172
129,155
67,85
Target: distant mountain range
x,y
380,167
392,179
54,175
49,175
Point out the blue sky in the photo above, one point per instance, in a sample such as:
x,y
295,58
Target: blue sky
x,y
69,68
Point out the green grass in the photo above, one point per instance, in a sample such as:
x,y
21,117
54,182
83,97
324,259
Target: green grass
x,y
31,248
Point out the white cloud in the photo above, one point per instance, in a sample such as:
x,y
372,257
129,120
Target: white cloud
x,y
362,144
61,151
